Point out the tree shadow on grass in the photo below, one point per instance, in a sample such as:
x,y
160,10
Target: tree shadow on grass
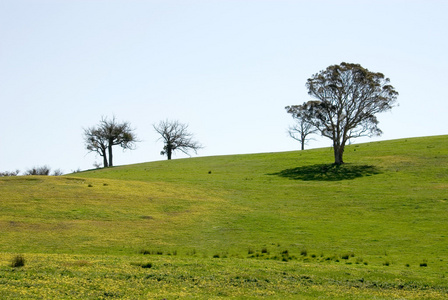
x,y
328,172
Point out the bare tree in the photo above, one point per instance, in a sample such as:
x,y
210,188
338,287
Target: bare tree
x,y
301,129
96,141
107,134
347,98
175,137
117,134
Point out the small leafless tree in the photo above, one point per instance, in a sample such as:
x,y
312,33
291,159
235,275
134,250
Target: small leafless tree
x,y
301,129
176,137
96,141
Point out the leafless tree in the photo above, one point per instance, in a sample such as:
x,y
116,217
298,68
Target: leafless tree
x,y
96,141
109,133
175,137
118,134
348,97
301,129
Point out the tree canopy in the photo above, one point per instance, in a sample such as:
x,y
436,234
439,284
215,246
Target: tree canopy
x,y
346,99
109,133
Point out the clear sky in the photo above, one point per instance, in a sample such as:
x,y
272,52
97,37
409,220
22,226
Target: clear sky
x,y
226,67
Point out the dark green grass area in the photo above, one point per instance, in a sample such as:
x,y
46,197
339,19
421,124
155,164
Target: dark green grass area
x,y
384,212
328,172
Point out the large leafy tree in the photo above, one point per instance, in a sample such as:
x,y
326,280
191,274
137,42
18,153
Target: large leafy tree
x,y
346,99
175,137
109,133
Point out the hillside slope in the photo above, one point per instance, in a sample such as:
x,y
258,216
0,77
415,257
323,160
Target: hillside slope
x,y
377,224
391,197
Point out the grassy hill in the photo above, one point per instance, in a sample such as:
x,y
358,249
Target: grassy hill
x,y
288,223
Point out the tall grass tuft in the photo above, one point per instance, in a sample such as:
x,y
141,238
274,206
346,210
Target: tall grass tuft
x,y
18,261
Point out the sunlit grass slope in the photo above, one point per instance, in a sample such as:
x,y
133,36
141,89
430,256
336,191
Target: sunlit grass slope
x,y
391,198
379,221
76,215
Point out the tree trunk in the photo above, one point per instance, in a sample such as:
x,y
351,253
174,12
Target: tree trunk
x,y
169,151
338,152
104,155
105,161
303,135
110,154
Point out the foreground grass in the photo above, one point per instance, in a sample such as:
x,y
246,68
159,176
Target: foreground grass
x,y
261,225
170,277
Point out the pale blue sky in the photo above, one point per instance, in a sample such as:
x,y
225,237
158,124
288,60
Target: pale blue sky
x,y
227,68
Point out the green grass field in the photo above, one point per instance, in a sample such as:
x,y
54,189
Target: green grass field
x,y
274,225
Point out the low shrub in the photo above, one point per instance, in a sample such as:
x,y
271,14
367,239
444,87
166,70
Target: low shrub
x,y
58,172
333,257
348,255
44,170
191,252
7,173
146,265
151,252
143,265
18,261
